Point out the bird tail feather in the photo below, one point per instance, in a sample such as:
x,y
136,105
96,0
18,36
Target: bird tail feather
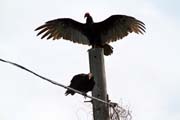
x,y
108,50
69,92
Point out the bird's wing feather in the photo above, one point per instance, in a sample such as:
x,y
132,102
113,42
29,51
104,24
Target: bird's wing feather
x,y
65,28
118,26
77,81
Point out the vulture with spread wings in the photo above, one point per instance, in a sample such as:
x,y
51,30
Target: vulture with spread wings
x,y
98,34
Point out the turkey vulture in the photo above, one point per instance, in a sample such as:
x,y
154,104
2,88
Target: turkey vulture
x,y
98,34
81,82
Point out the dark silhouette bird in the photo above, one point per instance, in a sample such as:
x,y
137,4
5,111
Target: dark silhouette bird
x,y
81,82
98,34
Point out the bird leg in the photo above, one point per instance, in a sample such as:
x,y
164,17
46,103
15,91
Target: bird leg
x,y
84,94
93,46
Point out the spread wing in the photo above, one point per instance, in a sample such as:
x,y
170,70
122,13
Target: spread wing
x,y
118,26
65,28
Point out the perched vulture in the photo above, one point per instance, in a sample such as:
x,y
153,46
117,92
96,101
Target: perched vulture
x,y
81,82
98,34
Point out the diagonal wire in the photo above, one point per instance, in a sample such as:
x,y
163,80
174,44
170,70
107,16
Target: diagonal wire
x,y
53,82
116,113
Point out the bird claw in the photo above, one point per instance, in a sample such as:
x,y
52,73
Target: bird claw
x,y
85,95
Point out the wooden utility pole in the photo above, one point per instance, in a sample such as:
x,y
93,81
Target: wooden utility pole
x,y
96,62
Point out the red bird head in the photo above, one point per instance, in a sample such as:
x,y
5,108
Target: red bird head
x,y
90,75
86,15
89,19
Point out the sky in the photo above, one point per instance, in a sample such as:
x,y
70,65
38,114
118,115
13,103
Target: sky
x,y
143,73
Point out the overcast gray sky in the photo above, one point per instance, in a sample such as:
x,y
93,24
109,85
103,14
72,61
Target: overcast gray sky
x,y
143,73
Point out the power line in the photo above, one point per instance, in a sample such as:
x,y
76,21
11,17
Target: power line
x,y
51,81
116,111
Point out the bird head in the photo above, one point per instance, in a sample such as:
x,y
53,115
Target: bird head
x,y
89,19
90,75
86,15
